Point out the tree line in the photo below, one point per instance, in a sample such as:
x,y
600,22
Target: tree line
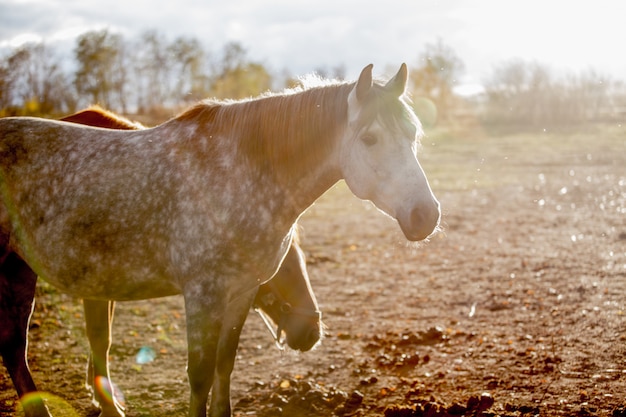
x,y
521,92
141,75
516,93
151,75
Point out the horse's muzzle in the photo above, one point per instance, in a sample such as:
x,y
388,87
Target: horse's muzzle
x,y
305,340
421,222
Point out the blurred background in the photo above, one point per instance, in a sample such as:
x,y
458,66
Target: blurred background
x,y
535,64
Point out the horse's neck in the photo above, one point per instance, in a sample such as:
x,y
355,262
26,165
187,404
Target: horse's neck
x,y
301,187
312,184
301,133
285,142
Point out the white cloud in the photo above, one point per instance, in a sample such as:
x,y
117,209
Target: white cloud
x,y
20,40
302,36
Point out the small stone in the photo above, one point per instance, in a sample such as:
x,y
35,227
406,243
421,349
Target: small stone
x,y
457,409
485,402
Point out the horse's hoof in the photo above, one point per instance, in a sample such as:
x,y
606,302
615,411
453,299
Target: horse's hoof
x,y
112,413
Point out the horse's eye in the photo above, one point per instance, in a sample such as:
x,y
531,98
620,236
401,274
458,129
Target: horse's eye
x,y
369,139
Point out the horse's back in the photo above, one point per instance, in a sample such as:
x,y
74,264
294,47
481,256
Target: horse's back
x,y
34,141
15,132
18,132
18,140
40,147
77,201
39,154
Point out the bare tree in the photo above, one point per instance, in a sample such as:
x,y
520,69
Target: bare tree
x,y
153,67
437,72
592,95
236,76
528,93
101,76
188,70
5,92
33,81
514,90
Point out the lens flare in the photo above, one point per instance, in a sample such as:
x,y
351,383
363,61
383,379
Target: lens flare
x,y
56,405
106,391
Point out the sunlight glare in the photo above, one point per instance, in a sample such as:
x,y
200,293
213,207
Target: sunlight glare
x,y
57,406
567,33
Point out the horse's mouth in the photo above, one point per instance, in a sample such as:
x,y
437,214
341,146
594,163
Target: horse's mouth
x,y
421,223
305,342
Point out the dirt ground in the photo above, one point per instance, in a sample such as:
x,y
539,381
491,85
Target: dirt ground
x,y
518,307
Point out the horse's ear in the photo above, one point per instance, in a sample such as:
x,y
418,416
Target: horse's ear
x,y
397,85
364,84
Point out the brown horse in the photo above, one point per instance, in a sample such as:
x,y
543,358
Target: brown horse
x,y
203,204
98,117
287,299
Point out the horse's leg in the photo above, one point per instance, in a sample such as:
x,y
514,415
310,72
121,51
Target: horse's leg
x,y
204,317
98,321
234,319
17,296
213,328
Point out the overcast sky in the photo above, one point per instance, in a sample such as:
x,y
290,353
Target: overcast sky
x,y
301,36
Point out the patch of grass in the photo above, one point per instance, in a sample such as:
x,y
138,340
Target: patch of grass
x,y
461,160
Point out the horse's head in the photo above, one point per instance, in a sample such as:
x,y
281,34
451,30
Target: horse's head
x,y
379,159
290,303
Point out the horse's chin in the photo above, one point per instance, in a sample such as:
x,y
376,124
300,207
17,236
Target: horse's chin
x,y
304,343
416,235
302,348
420,223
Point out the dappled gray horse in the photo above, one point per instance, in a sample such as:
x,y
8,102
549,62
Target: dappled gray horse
x,y
202,205
289,302
287,299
